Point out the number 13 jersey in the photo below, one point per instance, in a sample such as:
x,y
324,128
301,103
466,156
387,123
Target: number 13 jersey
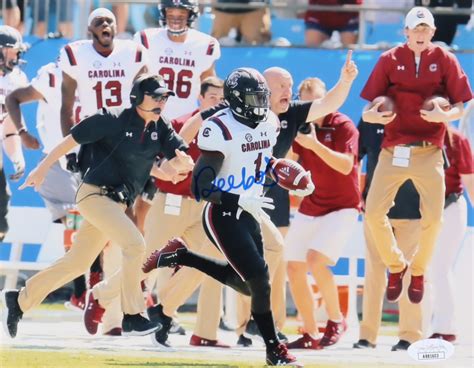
x,y
180,64
102,81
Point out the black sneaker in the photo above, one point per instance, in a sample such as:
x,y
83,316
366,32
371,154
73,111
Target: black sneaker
x,y
279,355
282,337
363,344
13,312
224,325
244,342
160,337
252,331
176,328
137,325
401,345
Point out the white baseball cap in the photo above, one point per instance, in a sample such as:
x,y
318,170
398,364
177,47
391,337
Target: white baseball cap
x,y
419,15
100,12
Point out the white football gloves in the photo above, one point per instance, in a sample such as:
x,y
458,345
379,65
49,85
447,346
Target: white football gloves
x,y
255,206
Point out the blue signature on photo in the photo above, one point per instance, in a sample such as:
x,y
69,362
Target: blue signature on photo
x,y
229,183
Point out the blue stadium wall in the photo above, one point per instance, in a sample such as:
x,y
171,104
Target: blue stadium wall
x,y
301,63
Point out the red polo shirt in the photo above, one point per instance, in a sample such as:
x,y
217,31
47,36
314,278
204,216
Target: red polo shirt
x,y
460,158
395,76
334,191
183,187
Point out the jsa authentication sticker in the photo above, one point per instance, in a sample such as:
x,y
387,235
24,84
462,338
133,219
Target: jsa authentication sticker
x,y
431,350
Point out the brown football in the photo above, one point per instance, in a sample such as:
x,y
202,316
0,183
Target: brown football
x,y
387,104
442,102
289,174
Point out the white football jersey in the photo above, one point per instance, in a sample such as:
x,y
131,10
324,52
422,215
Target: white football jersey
x,y
246,150
103,81
48,115
9,82
180,64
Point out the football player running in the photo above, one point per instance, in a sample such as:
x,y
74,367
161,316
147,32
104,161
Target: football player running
x,y
236,145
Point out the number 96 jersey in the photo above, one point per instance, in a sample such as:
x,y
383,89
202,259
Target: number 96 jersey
x,y
102,81
180,64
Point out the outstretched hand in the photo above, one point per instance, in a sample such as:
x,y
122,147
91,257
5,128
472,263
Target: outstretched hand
x,y
34,179
182,162
349,70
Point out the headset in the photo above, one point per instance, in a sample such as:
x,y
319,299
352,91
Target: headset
x,y
136,94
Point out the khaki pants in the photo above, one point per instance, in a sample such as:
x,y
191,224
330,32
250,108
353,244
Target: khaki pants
x,y
426,172
173,292
112,259
407,233
254,25
104,219
273,244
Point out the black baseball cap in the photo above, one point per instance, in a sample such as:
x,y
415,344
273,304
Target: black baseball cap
x,y
155,86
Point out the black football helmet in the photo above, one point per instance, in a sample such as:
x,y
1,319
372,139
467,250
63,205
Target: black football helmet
x,y
247,94
10,38
190,5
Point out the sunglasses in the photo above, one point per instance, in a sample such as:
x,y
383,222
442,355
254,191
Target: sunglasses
x,y
162,98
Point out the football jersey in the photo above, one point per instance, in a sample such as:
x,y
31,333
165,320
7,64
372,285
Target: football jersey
x,y
48,115
180,64
102,82
9,82
246,150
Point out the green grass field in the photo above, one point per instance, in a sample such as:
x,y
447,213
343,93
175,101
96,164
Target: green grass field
x,y
40,348
20,358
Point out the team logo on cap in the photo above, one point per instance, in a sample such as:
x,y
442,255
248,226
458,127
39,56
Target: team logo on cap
x,y
420,14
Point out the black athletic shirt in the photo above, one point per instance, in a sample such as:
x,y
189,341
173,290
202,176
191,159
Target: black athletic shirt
x,y
122,150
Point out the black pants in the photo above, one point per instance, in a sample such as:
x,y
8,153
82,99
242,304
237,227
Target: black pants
x,y
240,240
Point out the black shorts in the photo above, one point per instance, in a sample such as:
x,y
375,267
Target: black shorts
x,y
280,216
239,240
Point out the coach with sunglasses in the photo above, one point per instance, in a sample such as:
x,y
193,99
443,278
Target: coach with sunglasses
x,y
123,144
